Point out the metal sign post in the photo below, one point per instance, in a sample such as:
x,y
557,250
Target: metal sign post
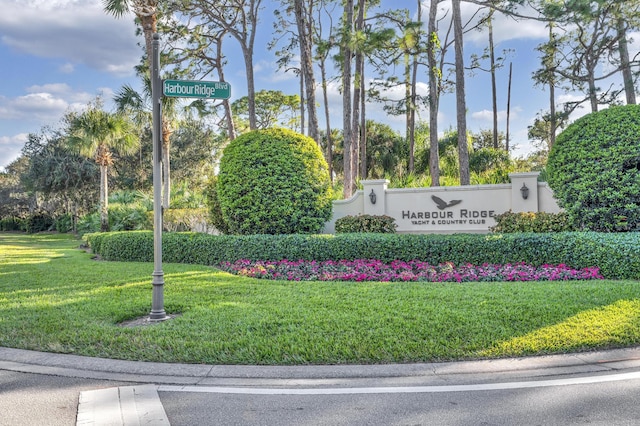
x,y
157,304
171,88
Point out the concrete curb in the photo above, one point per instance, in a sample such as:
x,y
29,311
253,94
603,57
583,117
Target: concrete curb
x,y
140,404
318,375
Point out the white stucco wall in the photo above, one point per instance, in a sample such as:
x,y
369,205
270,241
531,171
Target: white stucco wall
x,y
458,209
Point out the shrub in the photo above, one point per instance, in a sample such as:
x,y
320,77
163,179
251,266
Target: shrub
x,y
39,221
532,222
594,170
11,223
274,181
124,217
617,255
64,223
89,223
215,211
180,220
366,223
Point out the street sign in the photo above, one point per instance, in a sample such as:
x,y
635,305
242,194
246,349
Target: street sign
x,y
196,89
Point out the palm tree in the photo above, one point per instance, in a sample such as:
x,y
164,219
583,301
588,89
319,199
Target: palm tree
x,y
138,106
97,133
147,13
145,10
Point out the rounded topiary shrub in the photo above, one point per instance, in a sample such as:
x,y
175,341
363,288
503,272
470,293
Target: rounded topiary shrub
x,y
274,181
594,170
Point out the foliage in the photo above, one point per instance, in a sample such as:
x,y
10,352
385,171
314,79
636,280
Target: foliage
x,y
617,255
38,221
273,108
215,210
274,181
366,223
64,223
532,222
194,150
15,200
375,270
186,220
594,170
11,223
225,319
124,217
61,176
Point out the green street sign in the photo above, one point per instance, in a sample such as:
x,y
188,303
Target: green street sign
x,y
196,89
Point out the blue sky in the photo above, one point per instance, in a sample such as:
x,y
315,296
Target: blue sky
x,y
57,55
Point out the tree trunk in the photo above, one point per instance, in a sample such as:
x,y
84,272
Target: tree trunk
x,y
363,127
104,199
593,92
414,82
303,22
355,126
508,138
409,108
231,130
166,165
357,92
434,95
461,106
251,88
494,90
348,180
627,74
325,97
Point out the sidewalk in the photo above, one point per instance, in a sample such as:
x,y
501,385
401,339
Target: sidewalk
x,y
140,402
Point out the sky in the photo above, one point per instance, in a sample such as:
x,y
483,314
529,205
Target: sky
x,y
58,55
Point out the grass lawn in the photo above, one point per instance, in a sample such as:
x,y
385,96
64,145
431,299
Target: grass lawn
x,y
54,297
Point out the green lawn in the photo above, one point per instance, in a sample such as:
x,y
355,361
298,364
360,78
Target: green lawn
x,y
54,297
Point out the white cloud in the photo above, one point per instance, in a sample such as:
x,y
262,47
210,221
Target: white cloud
x,y
487,115
44,104
505,28
77,30
67,68
10,147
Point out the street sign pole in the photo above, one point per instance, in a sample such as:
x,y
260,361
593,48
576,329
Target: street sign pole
x,y
157,303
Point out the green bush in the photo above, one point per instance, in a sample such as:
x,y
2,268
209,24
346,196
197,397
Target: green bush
x,y
39,221
594,170
64,223
215,211
181,220
274,181
366,223
130,246
617,255
11,223
532,222
122,217
89,223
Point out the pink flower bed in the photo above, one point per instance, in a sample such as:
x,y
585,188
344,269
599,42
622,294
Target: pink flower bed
x,y
375,270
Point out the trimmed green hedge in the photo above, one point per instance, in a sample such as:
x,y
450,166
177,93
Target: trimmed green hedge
x,y
366,223
617,255
532,222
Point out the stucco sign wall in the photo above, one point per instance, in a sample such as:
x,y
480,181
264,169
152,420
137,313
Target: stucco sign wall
x,y
461,209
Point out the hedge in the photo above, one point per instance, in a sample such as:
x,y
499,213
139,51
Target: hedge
x,y
617,255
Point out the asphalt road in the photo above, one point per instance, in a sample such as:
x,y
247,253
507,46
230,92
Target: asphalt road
x,y
598,388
